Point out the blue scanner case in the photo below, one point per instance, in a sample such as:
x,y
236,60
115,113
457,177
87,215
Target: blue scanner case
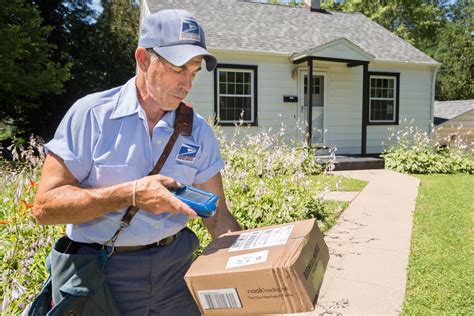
x,y
202,202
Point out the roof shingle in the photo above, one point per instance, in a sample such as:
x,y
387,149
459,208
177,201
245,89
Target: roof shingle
x,y
450,109
248,26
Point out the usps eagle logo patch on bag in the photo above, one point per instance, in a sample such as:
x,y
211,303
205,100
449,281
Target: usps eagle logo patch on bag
x,y
189,30
188,152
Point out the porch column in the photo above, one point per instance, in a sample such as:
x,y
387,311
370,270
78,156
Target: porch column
x,y
365,109
310,101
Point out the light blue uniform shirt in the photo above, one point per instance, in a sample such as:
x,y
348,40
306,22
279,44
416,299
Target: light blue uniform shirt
x,y
104,140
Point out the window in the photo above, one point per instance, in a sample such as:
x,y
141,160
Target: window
x,y
236,94
316,84
384,98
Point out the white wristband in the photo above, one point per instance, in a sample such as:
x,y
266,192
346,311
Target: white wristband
x,y
134,192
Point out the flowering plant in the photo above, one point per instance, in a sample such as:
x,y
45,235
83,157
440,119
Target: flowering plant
x,y
412,150
266,179
25,244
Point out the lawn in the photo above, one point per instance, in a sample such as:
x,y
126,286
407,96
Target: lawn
x,y
441,266
336,183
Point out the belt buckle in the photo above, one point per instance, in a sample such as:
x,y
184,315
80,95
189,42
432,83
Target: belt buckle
x,y
167,240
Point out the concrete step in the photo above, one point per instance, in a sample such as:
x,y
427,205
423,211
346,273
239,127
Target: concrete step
x,y
352,162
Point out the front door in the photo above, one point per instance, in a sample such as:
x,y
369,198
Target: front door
x,y
317,107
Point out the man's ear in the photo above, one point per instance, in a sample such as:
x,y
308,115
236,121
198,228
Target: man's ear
x,y
143,59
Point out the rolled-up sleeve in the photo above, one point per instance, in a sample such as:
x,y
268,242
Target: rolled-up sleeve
x,y
74,140
210,160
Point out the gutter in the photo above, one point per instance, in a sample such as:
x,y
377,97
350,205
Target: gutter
x,y
289,55
249,52
433,88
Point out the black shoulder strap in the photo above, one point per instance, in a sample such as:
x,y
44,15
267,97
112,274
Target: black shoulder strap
x,y
183,125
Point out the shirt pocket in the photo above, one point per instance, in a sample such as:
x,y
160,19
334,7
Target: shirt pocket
x,y
107,175
184,174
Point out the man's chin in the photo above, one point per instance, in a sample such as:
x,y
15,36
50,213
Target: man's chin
x,y
171,106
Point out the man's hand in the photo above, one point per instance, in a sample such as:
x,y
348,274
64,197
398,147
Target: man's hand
x,y
223,221
59,199
152,195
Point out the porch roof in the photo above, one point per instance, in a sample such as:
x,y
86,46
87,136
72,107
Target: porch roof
x,y
340,48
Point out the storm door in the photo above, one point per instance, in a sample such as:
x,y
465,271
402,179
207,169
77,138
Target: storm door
x,y
317,107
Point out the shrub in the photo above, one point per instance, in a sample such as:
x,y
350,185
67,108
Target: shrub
x,y
265,179
411,150
25,244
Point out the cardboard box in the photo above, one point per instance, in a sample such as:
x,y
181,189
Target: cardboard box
x,y
271,270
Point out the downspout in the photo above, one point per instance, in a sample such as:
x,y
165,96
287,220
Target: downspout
x,y
310,101
433,90
365,109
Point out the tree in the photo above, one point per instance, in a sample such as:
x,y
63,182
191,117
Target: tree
x,y
436,27
455,50
26,68
413,20
98,48
112,61
72,27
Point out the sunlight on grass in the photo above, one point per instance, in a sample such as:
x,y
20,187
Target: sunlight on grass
x,y
441,268
325,182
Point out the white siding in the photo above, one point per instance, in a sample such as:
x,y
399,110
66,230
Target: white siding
x,y
415,103
340,50
343,108
274,81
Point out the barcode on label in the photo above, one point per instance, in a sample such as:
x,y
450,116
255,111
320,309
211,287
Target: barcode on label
x,y
219,298
251,240
262,238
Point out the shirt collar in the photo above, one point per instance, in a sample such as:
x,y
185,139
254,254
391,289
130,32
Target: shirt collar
x,y
127,102
167,120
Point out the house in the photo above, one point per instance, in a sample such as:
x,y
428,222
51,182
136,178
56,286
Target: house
x,y
363,79
454,120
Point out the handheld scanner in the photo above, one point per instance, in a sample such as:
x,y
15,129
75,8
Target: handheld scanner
x,y
202,202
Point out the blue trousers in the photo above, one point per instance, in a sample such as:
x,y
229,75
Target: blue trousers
x,y
151,282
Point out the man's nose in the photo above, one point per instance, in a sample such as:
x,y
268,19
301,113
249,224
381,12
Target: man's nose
x,y
187,82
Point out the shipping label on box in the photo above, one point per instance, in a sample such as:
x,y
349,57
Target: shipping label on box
x,y
277,269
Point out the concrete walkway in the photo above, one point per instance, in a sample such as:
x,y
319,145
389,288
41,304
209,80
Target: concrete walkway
x,y
369,247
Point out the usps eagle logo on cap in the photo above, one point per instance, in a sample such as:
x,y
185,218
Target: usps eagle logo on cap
x,y
188,152
189,30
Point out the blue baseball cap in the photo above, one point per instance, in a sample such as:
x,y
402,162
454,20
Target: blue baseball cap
x,y
176,36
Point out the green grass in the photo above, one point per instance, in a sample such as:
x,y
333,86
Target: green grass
x,y
441,266
336,183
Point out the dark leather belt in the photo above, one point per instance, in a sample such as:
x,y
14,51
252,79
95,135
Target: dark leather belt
x,y
125,249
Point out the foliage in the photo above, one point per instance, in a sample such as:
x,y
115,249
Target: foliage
x,y
442,29
25,244
412,20
268,181
440,270
412,151
89,53
455,51
26,68
115,37
73,26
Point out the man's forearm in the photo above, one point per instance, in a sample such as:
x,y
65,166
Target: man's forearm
x,y
223,222
73,205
